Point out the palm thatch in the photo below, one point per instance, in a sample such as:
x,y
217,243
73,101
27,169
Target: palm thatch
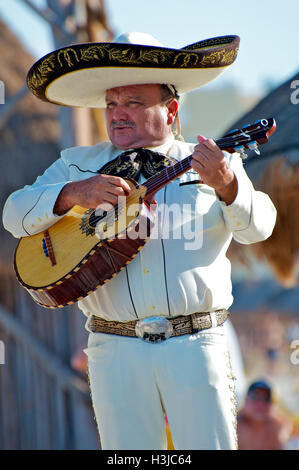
x,y
276,172
29,137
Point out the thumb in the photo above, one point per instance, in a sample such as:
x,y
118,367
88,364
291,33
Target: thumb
x,y
201,139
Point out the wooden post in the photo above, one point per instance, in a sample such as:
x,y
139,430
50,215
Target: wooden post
x,y
82,126
98,31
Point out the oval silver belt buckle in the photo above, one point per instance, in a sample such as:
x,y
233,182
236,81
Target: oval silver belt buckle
x,y
154,329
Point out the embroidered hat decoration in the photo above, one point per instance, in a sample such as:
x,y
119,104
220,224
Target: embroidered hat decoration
x,y
80,74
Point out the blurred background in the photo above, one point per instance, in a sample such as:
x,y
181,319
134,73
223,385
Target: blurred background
x,y
44,396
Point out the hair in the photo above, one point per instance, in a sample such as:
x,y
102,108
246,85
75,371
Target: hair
x,y
169,91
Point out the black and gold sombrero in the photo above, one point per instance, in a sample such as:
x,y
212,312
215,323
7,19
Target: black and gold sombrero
x,y
79,74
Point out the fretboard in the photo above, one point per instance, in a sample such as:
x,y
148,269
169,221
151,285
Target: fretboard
x,y
170,173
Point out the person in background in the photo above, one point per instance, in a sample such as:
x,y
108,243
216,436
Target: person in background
x,y
261,424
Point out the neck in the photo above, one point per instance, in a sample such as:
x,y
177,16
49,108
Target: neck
x,y
149,144
167,140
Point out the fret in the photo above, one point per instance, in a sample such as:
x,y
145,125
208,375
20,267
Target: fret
x,y
167,175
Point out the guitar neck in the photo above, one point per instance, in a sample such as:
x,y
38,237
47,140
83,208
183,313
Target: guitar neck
x,y
249,137
157,182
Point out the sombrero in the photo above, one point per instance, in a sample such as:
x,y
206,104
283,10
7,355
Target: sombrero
x,y
80,74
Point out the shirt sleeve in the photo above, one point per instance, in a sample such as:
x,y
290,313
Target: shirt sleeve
x,y
30,209
251,217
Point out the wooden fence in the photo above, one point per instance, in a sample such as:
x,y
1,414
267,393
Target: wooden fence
x,y
44,403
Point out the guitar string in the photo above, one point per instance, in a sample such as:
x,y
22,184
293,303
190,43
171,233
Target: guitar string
x,y
111,214
224,143
72,226
163,176
175,170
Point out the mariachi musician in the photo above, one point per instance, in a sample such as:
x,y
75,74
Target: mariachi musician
x,y
157,343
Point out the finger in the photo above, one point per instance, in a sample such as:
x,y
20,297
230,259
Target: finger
x,y
210,149
213,148
201,157
201,139
210,143
109,197
197,164
206,146
116,190
105,206
209,162
117,181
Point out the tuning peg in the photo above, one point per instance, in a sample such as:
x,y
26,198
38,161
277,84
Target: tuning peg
x,y
240,149
254,146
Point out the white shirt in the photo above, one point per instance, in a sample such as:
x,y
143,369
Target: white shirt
x,y
176,275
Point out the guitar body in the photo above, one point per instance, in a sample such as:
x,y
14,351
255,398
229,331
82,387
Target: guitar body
x,y
69,261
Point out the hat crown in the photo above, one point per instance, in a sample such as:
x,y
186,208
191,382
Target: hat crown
x,y
135,37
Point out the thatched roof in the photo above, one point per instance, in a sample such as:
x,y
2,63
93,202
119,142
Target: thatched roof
x,y
278,104
30,137
277,173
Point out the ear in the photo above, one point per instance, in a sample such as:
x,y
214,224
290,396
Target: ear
x,y
172,107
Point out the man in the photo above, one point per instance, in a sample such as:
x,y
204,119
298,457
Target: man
x,y
180,364
261,425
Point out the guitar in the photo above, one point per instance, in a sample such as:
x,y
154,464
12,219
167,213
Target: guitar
x,y
103,243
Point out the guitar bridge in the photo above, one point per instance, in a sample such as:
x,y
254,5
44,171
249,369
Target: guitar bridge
x,y
48,248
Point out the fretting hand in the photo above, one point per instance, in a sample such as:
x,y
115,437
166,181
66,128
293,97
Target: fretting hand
x,y
209,161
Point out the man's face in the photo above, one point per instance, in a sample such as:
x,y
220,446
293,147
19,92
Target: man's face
x,y
137,117
258,404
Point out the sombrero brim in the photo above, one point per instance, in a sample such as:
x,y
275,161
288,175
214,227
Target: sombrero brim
x,y
80,74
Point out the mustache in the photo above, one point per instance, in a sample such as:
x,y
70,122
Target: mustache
x,y
122,123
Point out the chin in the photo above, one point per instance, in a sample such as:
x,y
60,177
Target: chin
x,y
122,142
260,416
122,146
125,144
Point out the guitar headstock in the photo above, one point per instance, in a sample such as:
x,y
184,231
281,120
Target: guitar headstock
x,y
249,137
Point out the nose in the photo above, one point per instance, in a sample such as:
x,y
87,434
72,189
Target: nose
x,y
119,114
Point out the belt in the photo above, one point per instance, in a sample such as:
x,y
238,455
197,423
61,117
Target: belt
x,y
157,329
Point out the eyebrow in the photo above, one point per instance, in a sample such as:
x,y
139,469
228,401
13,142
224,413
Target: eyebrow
x,y
134,97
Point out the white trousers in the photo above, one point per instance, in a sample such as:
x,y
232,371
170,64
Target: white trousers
x,y
188,377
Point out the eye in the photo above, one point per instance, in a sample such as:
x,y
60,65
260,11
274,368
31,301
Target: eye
x,y
110,105
134,103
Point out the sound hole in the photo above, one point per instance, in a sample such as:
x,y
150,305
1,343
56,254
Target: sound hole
x,y
90,220
94,218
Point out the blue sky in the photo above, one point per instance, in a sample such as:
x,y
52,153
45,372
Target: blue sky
x,y
269,31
